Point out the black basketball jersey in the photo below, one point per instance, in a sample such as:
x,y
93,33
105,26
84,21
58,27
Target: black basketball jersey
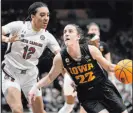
x,y
86,72
104,48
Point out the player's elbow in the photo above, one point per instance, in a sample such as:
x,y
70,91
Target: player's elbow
x,y
49,79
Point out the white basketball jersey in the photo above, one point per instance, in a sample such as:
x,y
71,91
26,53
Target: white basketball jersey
x,y
24,54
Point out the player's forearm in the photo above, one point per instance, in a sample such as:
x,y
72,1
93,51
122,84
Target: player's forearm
x,y
108,57
111,67
44,82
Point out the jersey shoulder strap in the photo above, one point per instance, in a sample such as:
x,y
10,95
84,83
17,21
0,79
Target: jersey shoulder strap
x,y
63,53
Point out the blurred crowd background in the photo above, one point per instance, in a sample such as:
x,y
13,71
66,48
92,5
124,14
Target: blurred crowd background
x,y
114,18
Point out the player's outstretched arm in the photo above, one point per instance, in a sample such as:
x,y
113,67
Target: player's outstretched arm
x,y
108,57
45,81
11,39
11,28
54,72
97,55
110,74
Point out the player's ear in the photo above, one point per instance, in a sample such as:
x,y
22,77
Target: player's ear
x,y
32,16
78,37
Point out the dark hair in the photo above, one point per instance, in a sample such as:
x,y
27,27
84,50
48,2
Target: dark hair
x,y
87,38
33,8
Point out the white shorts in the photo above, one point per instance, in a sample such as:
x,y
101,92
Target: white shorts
x,y
67,86
22,79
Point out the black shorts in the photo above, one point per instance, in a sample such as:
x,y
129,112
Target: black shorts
x,y
103,96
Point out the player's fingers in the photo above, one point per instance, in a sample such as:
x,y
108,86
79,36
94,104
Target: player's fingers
x,y
17,39
14,38
15,33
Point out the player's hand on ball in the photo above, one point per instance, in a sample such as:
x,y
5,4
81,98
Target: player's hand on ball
x,y
32,94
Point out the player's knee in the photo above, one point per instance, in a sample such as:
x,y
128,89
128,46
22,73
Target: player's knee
x,y
17,109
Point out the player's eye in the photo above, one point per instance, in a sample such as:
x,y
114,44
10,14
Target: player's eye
x,y
70,31
42,15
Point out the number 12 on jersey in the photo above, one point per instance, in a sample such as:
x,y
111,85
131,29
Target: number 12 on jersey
x,y
28,51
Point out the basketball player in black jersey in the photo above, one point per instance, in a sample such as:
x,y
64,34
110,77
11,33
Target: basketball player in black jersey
x,y
84,64
93,38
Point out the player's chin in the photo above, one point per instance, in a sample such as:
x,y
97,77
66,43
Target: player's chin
x,y
67,43
44,26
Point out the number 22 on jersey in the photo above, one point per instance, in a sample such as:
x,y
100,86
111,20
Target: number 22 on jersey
x,y
87,77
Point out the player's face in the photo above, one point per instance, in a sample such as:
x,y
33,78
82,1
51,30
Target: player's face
x,y
41,18
70,35
94,29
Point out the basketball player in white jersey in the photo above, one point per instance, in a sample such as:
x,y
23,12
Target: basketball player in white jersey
x,y
26,43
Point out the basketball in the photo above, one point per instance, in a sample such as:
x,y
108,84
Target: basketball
x,y
123,71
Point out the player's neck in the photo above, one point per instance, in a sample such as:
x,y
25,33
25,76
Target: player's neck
x,y
34,27
74,51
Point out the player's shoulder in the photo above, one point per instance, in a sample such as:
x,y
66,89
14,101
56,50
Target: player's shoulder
x,y
94,51
14,26
92,48
14,23
20,23
48,34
